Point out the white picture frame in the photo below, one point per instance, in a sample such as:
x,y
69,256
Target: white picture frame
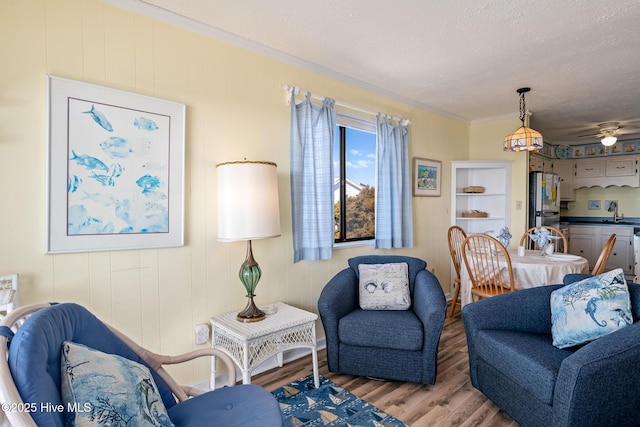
x,y
115,169
427,177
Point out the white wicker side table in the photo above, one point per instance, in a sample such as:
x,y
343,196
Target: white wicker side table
x,y
250,344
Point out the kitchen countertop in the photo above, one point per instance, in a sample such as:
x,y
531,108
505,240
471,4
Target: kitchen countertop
x,y
598,220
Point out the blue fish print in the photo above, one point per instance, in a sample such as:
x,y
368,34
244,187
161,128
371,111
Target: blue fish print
x,y
110,180
79,222
121,148
73,183
103,199
145,124
99,118
116,147
89,162
148,183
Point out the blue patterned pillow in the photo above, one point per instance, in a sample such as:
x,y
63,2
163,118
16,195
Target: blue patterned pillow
x,y
589,309
100,389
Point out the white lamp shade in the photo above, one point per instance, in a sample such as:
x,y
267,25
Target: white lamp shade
x,y
248,205
608,141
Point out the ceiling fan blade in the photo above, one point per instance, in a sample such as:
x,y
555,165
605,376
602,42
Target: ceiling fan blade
x,y
594,135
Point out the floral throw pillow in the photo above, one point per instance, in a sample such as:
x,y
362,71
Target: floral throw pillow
x,y
590,309
384,286
100,389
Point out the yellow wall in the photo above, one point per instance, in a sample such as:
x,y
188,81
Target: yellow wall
x,y
628,201
235,109
486,143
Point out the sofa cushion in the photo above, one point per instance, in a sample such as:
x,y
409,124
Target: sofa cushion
x,y
526,358
590,308
399,330
246,405
106,389
384,286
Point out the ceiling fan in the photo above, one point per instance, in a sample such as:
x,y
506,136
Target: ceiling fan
x,y
608,132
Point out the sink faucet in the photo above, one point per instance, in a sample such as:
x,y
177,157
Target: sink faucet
x,y
613,207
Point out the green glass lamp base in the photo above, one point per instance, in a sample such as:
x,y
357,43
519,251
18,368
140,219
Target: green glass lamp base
x,y
249,276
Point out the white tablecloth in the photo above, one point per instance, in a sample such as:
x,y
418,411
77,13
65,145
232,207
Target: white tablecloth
x,y
532,270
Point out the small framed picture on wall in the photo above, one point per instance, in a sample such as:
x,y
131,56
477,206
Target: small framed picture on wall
x,y
427,175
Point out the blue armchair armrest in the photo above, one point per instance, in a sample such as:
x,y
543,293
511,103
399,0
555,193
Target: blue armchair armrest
x,y
603,373
430,305
338,298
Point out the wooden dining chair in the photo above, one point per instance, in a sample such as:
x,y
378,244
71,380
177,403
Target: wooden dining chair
x,y
489,266
455,237
601,263
560,245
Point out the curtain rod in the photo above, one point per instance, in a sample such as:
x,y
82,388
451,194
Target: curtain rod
x,y
296,91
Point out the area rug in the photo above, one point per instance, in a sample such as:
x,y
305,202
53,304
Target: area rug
x,y
329,405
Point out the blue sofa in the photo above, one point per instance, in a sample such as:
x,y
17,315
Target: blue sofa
x,y
394,345
513,362
34,362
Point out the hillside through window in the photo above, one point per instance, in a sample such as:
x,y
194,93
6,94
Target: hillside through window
x,y
354,180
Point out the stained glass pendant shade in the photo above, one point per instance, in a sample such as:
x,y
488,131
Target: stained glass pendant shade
x,y
524,138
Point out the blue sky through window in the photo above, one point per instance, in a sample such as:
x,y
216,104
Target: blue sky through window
x,y
361,156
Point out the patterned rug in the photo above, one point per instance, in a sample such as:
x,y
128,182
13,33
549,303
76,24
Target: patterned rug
x,y
330,405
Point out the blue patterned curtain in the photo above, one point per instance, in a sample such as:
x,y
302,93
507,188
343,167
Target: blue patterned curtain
x,y
394,219
312,134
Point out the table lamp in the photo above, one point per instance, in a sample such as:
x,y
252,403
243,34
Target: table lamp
x,y
248,209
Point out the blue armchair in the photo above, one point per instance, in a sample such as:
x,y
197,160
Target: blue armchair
x,y
399,345
513,362
31,373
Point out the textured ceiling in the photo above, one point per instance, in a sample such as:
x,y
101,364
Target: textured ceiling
x,y
462,58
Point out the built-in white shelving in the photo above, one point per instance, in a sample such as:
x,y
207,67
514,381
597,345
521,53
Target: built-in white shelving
x,y
495,177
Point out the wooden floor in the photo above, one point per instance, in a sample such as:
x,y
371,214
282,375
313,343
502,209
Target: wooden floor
x,y
451,401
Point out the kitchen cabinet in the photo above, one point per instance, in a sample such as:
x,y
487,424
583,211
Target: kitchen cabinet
x,y
582,241
564,168
591,168
588,241
622,253
621,166
538,163
604,172
495,177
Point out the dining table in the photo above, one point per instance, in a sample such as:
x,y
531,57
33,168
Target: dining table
x,y
531,269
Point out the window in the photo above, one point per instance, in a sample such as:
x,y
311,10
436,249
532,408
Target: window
x,y
354,179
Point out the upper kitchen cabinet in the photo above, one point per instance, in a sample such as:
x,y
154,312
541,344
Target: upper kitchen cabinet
x,y
539,164
564,168
604,172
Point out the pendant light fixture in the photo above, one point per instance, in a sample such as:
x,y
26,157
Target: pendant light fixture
x,y
524,138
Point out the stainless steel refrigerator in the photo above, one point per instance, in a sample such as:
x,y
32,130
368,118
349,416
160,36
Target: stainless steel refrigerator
x,y
544,199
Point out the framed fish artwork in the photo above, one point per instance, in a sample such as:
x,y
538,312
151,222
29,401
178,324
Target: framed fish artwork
x,y
115,169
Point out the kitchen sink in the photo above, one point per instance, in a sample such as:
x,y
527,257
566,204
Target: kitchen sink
x,y
608,221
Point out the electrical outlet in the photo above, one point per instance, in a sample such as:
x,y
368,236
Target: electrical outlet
x,y
202,333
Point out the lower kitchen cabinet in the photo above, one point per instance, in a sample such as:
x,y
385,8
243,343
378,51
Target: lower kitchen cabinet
x,y
588,240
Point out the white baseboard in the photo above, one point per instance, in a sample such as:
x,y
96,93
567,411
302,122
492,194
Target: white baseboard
x,y
270,363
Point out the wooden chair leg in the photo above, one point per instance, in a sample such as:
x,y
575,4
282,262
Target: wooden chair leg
x,y
454,301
